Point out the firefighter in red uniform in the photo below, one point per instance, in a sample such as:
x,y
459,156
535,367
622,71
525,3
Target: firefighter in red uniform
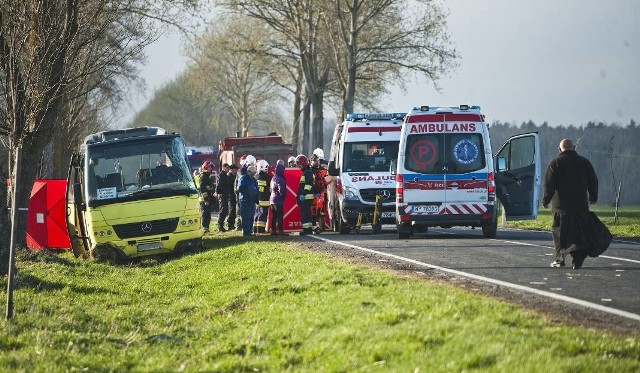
x,y
305,193
320,187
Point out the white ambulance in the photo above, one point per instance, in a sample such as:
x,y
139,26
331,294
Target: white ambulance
x,y
446,174
362,150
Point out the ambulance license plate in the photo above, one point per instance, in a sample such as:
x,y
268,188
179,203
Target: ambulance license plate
x,y
149,246
389,214
426,209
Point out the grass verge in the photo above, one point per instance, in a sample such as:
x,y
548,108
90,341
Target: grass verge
x,y
267,306
628,225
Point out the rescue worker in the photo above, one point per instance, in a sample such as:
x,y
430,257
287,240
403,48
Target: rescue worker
x,y
233,198
319,186
291,161
206,195
196,178
278,187
248,197
262,211
245,161
305,193
223,193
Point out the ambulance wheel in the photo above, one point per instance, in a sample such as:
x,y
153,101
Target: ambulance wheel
x,y
404,232
343,227
490,230
334,222
377,228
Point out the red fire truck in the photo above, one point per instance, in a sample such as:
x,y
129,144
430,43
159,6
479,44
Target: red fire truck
x,y
270,147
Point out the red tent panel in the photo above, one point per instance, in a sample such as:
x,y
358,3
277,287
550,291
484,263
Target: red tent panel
x,y
46,219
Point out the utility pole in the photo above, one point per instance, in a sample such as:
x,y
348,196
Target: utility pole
x,y
12,245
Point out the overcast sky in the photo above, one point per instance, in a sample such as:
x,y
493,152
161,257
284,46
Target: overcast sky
x,y
560,61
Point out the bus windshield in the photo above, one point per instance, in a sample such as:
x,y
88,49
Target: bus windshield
x,y
137,169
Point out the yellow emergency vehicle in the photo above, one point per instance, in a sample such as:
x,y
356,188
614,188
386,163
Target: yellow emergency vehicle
x,y
130,193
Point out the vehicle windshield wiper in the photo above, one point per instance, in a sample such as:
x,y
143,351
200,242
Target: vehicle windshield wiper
x,y
166,189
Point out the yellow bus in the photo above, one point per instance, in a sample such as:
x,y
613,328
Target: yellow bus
x,y
130,194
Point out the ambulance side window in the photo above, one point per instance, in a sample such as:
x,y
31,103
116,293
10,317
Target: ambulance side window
x,y
523,152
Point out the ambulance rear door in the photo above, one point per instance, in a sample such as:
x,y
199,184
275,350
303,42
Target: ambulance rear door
x,y
518,176
467,155
446,164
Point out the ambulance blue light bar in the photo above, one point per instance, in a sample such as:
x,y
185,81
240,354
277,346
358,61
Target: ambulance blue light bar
x,y
374,116
461,107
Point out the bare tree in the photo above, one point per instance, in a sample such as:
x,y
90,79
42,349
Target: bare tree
x,y
299,23
226,65
375,41
56,52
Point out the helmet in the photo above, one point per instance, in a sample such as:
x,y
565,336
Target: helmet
x,y
206,166
291,159
250,160
302,161
263,165
319,153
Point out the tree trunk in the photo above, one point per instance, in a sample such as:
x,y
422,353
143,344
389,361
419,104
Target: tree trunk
x,y
5,231
317,125
306,123
30,158
297,101
349,100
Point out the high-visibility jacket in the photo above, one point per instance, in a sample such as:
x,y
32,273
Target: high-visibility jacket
x,y
264,181
305,188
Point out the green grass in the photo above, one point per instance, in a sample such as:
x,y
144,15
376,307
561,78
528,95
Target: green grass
x,y
269,306
628,225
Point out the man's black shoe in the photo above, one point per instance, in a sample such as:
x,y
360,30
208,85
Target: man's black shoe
x,y
578,261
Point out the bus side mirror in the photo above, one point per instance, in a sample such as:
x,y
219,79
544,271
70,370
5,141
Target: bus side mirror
x,y
333,171
502,164
77,194
392,167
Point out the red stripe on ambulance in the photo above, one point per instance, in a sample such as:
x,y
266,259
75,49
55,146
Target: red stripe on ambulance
x,y
444,117
374,129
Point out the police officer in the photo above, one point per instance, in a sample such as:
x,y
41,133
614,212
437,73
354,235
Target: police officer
x,y
305,193
206,195
262,210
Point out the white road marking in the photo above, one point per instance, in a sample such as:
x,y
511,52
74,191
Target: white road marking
x,y
551,247
543,293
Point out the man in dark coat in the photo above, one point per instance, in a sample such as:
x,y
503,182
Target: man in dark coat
x,y
224,190
233,197
570,184
206,190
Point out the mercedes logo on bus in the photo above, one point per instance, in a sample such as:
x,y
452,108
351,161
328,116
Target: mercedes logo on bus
x,y
146,227
385,194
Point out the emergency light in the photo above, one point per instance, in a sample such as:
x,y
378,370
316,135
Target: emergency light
x,y
462,107
374,116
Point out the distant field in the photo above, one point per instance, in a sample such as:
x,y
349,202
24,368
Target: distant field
x,y
628,225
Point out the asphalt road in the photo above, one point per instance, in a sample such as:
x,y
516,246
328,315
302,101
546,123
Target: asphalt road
x,y
518,259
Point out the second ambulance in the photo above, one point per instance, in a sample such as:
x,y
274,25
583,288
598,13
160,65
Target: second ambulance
x,y
362,150
447,174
